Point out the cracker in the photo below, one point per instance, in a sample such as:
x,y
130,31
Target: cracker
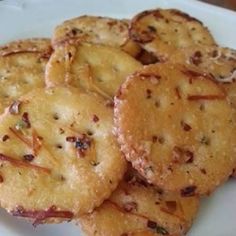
x,y
96,30
58,156
163,31
137,208
96,68
176,127
22,66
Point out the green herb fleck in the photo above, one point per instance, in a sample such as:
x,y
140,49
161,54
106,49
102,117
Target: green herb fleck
x,y
94,163
161,230
204,140
20,125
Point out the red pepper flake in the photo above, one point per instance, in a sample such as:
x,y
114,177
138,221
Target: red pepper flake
x,y
69,55
152,29
19,163
185,126
110,103
130,206
151,224
195,75
148,93
5,138
29,157
154,138
20,137
71,139
1,179
25,119
14,108
40,216
82,144
177,92
188,191
171,205
190,156
205,97
36,142
196,58
181,155
214,53
95,118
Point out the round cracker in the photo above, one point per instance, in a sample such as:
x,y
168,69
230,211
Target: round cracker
x,y
96,30
137,208
58,156
176,127
22,67
163,31
96,68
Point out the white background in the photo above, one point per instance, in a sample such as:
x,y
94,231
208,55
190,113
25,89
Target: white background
x,y
37,18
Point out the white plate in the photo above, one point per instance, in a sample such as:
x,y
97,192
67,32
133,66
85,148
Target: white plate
x,y
35,18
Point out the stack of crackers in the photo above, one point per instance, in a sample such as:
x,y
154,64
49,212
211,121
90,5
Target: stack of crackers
x,y
120,125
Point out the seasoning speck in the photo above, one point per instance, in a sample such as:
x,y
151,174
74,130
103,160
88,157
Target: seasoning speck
x,y
71,139
161,230
186,127
158,229
5,138
1,179
25,119
130,206
151,224
188,191
148,93
28,157
95,118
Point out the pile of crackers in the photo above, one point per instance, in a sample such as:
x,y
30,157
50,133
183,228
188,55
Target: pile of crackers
x,y
120,125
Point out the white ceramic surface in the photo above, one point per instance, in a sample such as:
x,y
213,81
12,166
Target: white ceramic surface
x,y
37,18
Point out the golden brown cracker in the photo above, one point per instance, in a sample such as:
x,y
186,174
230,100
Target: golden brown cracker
x,y
22,67
58,156
163,31
96,30
176,127
97,68
137,208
